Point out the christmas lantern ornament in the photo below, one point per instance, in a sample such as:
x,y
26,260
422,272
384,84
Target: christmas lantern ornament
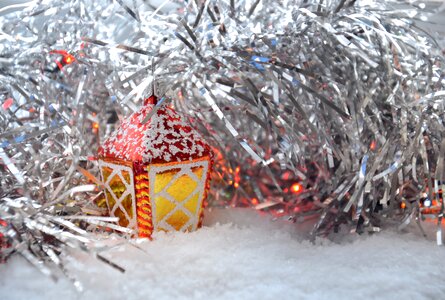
x,y
155,170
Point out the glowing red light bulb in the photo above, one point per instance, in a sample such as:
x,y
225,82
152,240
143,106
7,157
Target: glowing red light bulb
x,y
296,188
68,59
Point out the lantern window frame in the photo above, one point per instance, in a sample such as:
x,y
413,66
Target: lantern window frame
x,y
155,169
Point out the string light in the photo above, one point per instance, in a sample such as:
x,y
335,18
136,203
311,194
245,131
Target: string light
x,y
67,58
296,188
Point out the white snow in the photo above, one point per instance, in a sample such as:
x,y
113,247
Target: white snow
x,y
241,255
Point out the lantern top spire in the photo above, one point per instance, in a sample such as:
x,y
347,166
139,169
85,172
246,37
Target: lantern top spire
x,y
157,91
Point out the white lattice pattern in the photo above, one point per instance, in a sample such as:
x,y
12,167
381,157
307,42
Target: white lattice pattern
x,y
183,169
129,190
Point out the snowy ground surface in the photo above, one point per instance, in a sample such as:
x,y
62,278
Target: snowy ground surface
x,y
241,255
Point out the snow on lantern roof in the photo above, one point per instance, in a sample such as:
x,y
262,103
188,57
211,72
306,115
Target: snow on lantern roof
x,y
166,137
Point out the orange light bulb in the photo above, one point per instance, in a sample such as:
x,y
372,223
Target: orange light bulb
x,y
296,188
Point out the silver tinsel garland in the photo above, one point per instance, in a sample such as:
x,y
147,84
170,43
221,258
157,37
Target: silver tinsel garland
x,y
324,111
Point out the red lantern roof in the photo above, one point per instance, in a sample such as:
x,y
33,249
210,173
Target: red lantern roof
x,y
166,137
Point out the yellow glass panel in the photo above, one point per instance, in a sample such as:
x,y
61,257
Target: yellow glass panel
x,y
182,188
126,176
101,202
177,220
198,171
162,179
106,171
192,204
118,188
127,203
122,219
110,199
163,207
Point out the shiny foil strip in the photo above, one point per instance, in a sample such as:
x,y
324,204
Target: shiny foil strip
x,y
329,112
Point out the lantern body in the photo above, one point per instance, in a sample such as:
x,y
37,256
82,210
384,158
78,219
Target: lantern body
x,y
156,175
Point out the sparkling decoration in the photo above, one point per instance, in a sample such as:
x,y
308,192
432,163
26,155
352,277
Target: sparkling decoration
x,y
171,164
320,110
